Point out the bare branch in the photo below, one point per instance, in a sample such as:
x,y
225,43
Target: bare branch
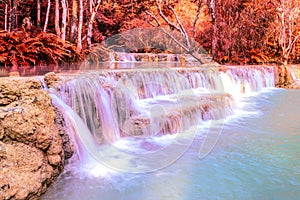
x,y
181,28
290,47
165,18
153,17
197,18
175,40
182,45
166,32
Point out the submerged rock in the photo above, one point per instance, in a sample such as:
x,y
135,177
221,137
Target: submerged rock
x,y
33,144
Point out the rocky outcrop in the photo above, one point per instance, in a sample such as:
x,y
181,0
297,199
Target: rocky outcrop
x,y
284,78
51,79
33,143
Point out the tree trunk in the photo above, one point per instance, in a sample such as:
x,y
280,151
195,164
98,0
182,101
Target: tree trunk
x,y
80,23
57,29
47,16
64,19
74,20
90,26
38,17
91,21
12,24
197,18
212,8
214,41
5,17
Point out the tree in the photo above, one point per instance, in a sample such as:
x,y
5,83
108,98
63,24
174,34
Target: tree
x,y
64,19
57,19
233,31
213,12
170,15
38,2
47,16
5,15
240,30
80,24
74,21
93,11
12,20
286,28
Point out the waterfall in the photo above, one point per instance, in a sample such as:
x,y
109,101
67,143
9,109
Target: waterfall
x,y
120,103
126,57
144,57
108,106
294,70
84,159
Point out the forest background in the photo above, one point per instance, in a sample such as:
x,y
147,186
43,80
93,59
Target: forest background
x,y
49,33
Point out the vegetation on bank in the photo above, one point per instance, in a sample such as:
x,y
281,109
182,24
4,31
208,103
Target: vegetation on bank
x,y
25,52
39,33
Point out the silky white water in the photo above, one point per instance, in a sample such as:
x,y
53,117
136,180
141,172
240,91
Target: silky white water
x,y
245,148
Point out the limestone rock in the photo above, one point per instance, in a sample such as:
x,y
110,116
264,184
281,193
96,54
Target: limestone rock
x,y
32,152
22,171
51,79
284,78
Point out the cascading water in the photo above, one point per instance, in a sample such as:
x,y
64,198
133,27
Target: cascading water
x,y
145,57
294,73
112,103
153,102
122,60
143,120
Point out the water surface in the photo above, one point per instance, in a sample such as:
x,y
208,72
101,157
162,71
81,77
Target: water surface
x,y
256,157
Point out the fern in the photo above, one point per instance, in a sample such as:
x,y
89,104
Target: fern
x,y
13,59
21,50
3,57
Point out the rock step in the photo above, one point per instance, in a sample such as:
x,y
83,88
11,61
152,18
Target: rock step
x,y
168,116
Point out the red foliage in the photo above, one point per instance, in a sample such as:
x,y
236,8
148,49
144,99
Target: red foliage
x,y
120,15
241,31
27,52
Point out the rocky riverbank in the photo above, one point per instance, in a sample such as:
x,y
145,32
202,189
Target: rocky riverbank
x,y
33,144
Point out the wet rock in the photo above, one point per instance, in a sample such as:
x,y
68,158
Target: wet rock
x,y
173,118
21,171
14,74
51,79
68,147
284,78
31,144
54,160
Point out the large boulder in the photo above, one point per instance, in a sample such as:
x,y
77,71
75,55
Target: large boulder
x,y
33,143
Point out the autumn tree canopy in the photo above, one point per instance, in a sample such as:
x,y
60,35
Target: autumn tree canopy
x,y
232,31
